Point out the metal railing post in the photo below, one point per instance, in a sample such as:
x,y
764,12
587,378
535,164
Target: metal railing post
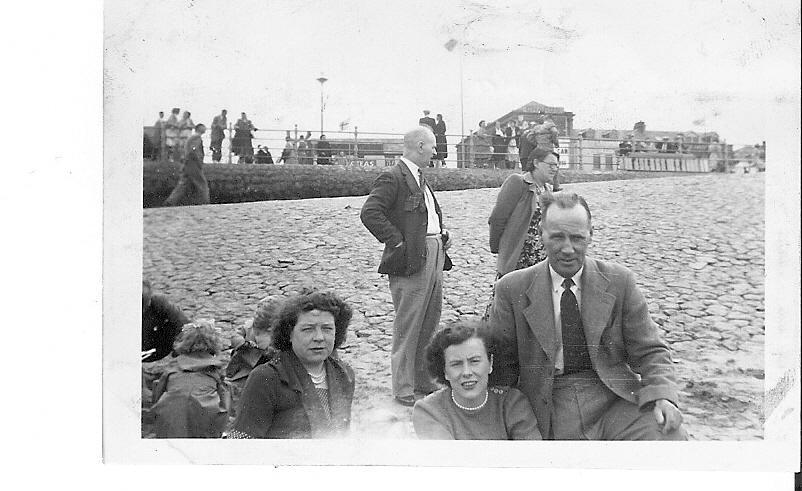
x,y
356,142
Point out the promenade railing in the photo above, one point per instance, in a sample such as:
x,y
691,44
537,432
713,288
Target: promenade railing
x,y
369,148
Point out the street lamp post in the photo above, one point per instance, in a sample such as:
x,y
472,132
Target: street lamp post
x,y
322,80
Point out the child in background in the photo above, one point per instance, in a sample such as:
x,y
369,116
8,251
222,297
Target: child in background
x,y
251,347
191,400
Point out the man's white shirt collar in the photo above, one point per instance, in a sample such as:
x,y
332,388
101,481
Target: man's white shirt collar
x,y
557,280
413,167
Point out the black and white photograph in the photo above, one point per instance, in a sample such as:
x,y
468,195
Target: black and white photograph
x,y
361,231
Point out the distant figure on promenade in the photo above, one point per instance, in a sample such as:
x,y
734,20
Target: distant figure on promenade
x,y
191,400
305,390
263,155
625,147
158,136
499,142
515,219
323,151
304,152
341,159
427,120
192,188
461,358
185,127
402,213
219,125
441,145
579,341
674,145
513,161
242,144
288,155
546,134
480,146
171,136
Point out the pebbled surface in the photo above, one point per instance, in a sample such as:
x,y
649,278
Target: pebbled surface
x,y
695,243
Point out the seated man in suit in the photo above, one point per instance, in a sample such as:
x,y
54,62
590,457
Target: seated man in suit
x,y
580,343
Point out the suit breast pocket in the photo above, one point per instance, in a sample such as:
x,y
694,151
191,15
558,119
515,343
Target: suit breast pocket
x,y
414,202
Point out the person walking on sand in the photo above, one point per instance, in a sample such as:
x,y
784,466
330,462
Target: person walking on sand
x,y
192,188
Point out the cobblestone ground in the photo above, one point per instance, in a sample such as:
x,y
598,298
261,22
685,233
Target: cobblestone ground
x,y
694,242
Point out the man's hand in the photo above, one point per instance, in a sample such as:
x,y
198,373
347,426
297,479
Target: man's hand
x,y
668,416
447,242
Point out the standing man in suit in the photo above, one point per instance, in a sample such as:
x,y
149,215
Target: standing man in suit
x,y
402,212
580,342
427,120
219,125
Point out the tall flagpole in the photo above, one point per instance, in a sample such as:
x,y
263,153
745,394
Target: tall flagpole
x,y
322,80
461,96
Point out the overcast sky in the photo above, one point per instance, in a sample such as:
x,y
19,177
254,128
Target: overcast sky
x,y
679,65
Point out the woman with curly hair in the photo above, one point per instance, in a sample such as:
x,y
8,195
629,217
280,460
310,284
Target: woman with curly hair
x,y
461,357
305,391
191,400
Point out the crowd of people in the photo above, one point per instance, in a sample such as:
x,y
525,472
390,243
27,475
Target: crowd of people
x,y
495,145
507,145
171,135
567,350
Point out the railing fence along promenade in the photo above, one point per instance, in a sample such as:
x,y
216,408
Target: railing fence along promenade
x,y
355,148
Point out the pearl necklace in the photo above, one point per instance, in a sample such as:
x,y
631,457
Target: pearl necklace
x,y
318,379
480,406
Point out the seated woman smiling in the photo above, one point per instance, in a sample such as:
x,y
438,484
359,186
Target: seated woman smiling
x,y
461,357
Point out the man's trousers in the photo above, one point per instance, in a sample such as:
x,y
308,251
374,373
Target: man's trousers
x,y
418,300
586,409
192,187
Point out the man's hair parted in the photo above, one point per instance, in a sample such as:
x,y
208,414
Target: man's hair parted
x,y
564,200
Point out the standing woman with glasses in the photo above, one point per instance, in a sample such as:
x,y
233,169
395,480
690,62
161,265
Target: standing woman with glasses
x,y
515,219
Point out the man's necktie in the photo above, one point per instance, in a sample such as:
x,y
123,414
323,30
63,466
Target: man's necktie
x,y
575,350
422,180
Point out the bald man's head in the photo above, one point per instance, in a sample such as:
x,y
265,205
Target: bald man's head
x,y
419,145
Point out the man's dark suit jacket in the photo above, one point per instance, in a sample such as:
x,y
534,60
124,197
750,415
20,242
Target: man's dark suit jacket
x,y
625,349
395,211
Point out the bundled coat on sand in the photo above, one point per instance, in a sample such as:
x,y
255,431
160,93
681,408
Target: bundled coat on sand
x,y
191,399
